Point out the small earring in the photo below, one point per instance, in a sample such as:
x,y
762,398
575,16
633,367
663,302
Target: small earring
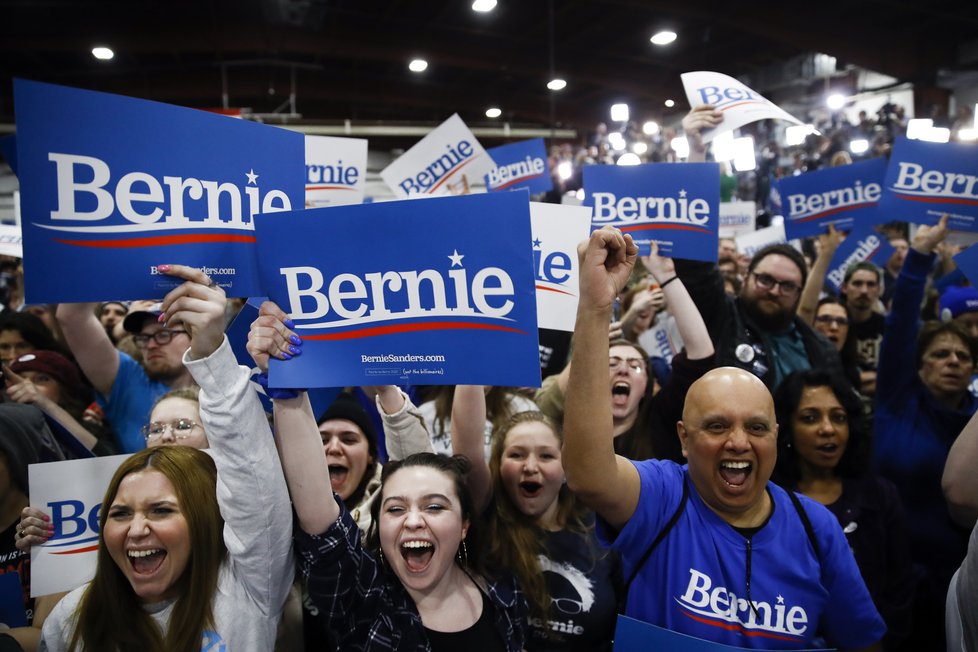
x,y
462,554
380,554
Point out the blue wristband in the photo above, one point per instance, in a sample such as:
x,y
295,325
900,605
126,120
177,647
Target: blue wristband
x,y
262,379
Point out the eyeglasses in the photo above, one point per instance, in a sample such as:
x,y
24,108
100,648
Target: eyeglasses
x,y
768,282
161,337
829,319
636,365
180,428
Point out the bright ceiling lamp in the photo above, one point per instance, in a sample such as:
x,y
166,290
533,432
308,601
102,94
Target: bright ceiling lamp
x,y
670,103
835,101
650,128
557,84
859,146
418,65
640,147
619,113
565,170
664,37
102,53
493,112
628,158
483,6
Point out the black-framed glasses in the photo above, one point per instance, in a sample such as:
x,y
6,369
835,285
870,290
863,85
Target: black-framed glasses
x,y
161,337
180,428
829,319
768,282
636,365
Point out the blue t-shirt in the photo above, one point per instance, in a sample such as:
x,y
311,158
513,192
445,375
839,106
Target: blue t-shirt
x,y
696,581
128,405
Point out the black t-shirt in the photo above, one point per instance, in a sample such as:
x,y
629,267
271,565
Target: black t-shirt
x,y
585,583
480,637
13,560
868,336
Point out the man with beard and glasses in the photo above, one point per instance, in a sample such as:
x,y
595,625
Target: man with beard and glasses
x,y
759,330
126,389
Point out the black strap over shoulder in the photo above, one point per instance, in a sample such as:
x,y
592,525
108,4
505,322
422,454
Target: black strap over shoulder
x,y
803,515
658,539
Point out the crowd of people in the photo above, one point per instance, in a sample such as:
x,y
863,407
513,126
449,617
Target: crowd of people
x,y
730,452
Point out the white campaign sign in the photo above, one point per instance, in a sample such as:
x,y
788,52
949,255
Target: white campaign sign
x,y
436,164
70,492
737,217
750,243
336,169
739,104
10,241
557,230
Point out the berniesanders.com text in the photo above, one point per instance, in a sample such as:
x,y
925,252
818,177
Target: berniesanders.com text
x,y
391,357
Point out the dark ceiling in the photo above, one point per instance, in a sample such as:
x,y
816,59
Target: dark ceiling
x,y
348,58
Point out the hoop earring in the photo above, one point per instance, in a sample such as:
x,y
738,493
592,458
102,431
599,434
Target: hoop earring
x,y
462,554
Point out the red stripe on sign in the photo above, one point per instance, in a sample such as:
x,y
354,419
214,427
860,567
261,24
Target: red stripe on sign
x,y
75,552
509,183
730,106
159,241
735,627
643,227
940,200
409,328
541,287
456,169
329,188
837,210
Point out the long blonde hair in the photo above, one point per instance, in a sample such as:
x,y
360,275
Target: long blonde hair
x,y
516,539
110,616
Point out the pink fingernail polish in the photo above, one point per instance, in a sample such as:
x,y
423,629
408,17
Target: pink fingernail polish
x,y
161,318
47,518
163,268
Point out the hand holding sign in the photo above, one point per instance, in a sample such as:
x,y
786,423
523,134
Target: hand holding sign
x,y
928,237
829,242
270,336
662,268
198,305
607,259
34,528
699,119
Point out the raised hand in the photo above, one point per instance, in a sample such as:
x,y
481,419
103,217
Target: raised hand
x,y
271,335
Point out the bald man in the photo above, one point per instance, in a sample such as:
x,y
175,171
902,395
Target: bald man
x,y
712,549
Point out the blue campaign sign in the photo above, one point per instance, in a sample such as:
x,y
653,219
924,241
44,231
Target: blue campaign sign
x,y
845,196
675,204
636,636
967,262
926,180
437,291
112,186
520,165
12,600
863,244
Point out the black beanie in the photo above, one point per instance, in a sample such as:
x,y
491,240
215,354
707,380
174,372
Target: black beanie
x,y
346,406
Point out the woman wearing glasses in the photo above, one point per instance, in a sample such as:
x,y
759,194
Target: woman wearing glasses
x,y
832,320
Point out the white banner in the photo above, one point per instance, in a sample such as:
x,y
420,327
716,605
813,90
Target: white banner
x,y
737,217
750,243
438,162
557,230
10,241
71,493
335,171
739,104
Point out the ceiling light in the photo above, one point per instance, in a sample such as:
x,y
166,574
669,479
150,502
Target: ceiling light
x,y
795,134
102,53
835,101
663,38
556,84
493,112
418,65
619,113
565,170
670,103
640,148
629,159
617,141
859,146
483,6
650,128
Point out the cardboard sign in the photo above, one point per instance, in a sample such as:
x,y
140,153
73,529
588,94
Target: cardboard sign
x,y
675,204
440,292
750,243
636,636
71,493
436,164
739,104
864,244
737,217
113,186
846,196
557,230
520,165
926,180
11,241
336,169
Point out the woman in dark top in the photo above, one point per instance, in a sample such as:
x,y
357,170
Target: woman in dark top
x,y
823,453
